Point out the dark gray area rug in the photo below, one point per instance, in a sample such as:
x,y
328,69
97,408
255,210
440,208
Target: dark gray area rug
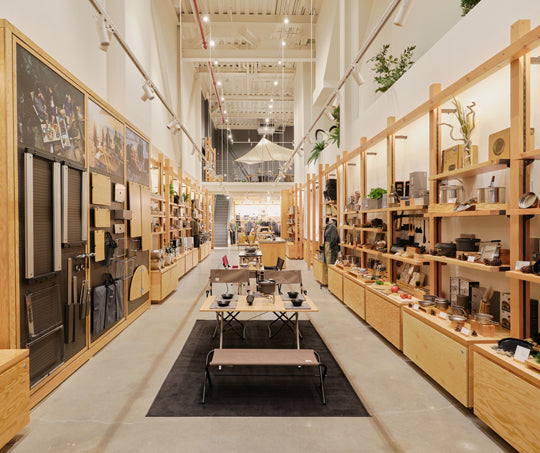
x,y
254,391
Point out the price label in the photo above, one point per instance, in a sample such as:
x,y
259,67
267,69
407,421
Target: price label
x,y
470,259
415,306
521,354
465,331
443,315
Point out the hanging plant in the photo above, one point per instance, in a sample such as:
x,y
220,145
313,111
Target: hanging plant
x,y
318,148
389,67
467,5
333,132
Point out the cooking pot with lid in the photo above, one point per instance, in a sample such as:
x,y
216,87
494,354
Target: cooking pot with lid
x,y
450,193
267,287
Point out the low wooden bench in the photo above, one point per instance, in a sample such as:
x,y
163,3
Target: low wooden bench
x,y
264,357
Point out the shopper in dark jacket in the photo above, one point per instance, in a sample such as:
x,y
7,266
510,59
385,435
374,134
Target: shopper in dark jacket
x,y
331,242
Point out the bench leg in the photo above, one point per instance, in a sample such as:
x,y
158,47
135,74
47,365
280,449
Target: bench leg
x,y
207,375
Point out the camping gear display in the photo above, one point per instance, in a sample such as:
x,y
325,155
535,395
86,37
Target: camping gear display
x,y
107,304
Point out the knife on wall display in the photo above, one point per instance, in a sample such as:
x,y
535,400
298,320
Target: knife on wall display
x,y
68,307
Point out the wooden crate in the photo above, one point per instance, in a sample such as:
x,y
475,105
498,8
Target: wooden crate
x,y
14,393
335,282
354,295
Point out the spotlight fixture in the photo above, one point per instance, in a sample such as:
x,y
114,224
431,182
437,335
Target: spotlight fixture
x,y
283,43
403,12
286,20
222,98
103,33
230,135
272,100
358,77
205,18
171,124
148,91
215,62
275,83
212,43
271,106
219,83
267,120
225,112
227,120
279,63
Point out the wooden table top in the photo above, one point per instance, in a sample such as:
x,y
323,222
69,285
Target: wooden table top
x,y
260,305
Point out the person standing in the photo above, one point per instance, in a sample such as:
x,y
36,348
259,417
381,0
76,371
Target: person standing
x,y
232,231
195,231
331,242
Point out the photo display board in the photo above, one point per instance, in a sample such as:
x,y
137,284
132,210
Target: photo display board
x,y
137,158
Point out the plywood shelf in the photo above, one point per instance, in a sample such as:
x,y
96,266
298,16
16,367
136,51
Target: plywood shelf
x,y
533,278
473,170
519,211
487,209
534,155
407,260
156,197
408,208
477,266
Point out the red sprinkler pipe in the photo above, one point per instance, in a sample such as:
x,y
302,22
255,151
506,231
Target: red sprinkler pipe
x,y
200,25
216,90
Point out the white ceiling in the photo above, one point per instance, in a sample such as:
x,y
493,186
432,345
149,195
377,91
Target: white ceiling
x,y
248,36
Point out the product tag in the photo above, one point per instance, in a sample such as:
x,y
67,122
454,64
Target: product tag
x,y
520,264
521,353
470,259
465,331
443,315
415,306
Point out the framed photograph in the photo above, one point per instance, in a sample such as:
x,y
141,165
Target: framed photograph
x,y
50,110
105,142
489,252
137,158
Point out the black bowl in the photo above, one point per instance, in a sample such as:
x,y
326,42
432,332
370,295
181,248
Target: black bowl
x,y
293,294
296,302
223,303
227,296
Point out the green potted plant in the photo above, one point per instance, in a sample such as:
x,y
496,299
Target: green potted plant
x,y
466,117
467,5
374,199
390,68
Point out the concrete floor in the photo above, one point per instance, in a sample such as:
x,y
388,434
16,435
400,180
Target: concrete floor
x,y
102,407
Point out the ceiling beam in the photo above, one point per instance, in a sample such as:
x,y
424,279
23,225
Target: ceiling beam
x,y
189,18
258,98
248,55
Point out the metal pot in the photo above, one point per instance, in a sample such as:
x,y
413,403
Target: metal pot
x,y
430,297
483,318
446,249
491,194
426,303
467,244
441,303
528,200
267,287
458,314
450,193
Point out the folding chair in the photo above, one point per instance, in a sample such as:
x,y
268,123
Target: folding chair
x,y
279,265
238,276
225,262
284,277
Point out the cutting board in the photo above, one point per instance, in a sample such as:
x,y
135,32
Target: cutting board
x,y
99,245
101,189
135,224
102,218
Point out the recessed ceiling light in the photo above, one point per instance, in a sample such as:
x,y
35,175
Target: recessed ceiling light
x,y
272,100
206,18
216,62
283,43
222,98
265,128
230,135
275,83
212,43
225,111
267,120
227,120
286,20
270,106
219,83
279,63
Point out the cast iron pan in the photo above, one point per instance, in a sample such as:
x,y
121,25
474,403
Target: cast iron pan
x,y
510,344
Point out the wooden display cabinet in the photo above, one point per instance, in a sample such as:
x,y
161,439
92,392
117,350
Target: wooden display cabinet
x,y
319,272
163,282
335,281
383,312
354,294
507,397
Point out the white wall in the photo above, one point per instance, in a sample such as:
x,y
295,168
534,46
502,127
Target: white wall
x,y
66,30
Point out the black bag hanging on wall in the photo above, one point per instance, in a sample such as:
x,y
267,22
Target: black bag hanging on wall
x,y
110,305
119,286
99,297
110,245
330,193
